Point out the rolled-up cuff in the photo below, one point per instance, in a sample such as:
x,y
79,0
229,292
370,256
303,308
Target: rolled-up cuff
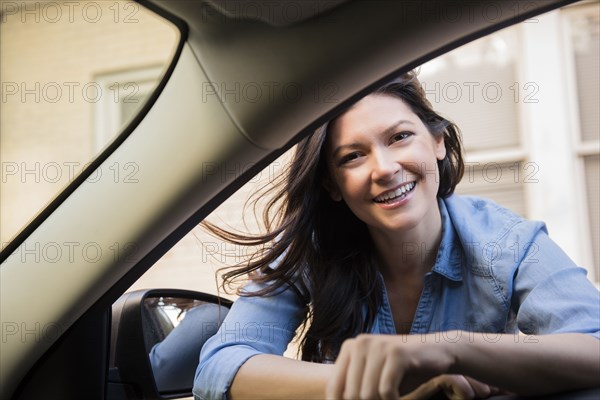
x,y
213,381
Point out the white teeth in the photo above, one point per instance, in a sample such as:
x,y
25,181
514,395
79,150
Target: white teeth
x,y
396,193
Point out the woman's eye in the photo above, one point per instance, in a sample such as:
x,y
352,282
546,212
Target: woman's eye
x,y
400,136
349,157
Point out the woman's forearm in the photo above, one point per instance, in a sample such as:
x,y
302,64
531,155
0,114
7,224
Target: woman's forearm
x,y
377,366
529,365
274,377
532,365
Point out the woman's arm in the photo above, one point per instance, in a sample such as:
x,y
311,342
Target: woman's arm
x,y
255,326
531,365
273,377
266,376
377,366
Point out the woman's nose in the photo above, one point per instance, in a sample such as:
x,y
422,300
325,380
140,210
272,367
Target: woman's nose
x,y
385,166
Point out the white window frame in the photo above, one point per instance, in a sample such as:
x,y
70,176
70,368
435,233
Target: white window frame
x,y
116,87
552,68
579,148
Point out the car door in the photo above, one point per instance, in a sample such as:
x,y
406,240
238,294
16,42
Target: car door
x,y
193,126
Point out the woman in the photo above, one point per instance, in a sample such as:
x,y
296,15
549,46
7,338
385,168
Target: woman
x,y
368,238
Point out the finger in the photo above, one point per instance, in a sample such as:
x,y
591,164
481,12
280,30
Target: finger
x,y
369,388
494,390
424,391
335,387
456,387
391,376
355,372
481,389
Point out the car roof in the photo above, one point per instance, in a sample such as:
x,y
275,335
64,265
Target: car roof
x,y
308,68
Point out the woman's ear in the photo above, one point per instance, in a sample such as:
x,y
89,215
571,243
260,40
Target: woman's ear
x,y
440,147
332,189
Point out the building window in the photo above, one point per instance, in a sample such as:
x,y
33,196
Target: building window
x,y
582,27
527,101
477,87
125,92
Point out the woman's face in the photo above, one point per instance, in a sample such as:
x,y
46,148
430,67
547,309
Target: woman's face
x,y
383,164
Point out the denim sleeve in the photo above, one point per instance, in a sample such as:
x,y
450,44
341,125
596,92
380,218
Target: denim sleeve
x,y
254,325
552,293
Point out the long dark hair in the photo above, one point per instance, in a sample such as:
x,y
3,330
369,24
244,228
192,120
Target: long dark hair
x,y
324,252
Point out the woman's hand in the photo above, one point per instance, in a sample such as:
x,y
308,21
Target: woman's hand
x,y
380,366
455,387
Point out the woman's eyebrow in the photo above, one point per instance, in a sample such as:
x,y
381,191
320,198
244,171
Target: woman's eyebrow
x,y
387,131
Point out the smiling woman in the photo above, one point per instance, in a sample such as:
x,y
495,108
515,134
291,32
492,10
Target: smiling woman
x,y
381,140
491,88
361,194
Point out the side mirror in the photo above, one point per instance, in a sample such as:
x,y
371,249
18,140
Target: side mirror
x,y
156,338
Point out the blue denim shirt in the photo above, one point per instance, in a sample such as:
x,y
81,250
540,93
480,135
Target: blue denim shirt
x,y
495,272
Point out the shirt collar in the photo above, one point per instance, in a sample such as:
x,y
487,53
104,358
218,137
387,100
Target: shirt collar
x,y
450,254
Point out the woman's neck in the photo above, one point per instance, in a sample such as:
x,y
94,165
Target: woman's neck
x,y
410,253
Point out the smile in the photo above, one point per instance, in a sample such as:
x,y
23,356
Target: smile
x,y
396,194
